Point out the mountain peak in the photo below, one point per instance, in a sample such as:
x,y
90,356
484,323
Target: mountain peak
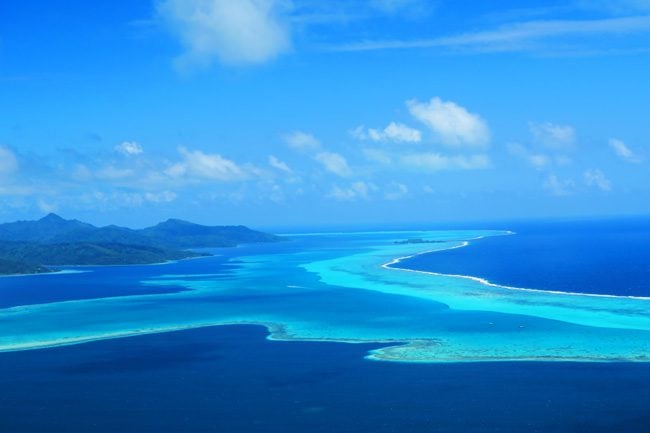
x,y
173,233
52,217
176,221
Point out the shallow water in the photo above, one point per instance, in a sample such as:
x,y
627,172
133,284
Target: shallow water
x,y
334,288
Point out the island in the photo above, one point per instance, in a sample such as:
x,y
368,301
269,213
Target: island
x,y
29,247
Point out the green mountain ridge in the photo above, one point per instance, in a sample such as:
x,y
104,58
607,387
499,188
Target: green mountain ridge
x,y
30,246
85,253
183,234
11,267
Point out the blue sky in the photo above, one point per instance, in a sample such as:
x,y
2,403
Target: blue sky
x,y
304,112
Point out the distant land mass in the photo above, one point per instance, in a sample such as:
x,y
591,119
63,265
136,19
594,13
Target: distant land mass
x,y
417,241
31,246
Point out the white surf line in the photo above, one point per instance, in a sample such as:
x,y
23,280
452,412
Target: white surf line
x,y
38,274
389,265
462,244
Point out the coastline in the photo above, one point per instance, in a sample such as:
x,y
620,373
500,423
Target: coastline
x,y
38,274
278,332
438,346
391,265
74,269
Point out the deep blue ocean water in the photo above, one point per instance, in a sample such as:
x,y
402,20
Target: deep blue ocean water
x,y
602,257
230,379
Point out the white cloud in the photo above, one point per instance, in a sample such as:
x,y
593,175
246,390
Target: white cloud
x,y
160,197
359,133
520,36
300,140
46,206
334,163
396,191
121,199
397,132
116,199
276,194
557,186
623,151
596,178
278,164
537,160
235,32
110,173
8,161
453,124
400,132
356,190
196,164
129,148
437,162
553,136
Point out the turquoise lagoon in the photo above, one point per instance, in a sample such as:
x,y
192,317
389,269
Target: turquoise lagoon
x,y
345,287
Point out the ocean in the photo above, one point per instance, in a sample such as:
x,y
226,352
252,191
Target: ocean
x,y
230,379
320,334
603,257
